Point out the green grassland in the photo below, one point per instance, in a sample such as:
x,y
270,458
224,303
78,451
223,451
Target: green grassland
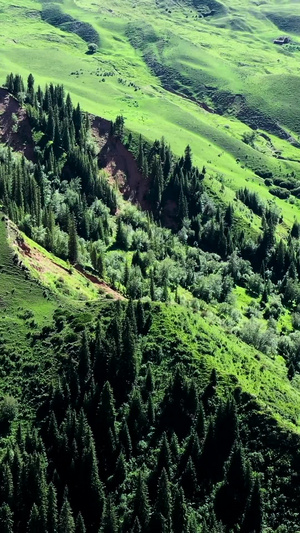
x,y
198,58
25,308
237,364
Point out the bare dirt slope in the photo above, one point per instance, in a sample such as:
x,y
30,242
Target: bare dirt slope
x,y
15,130
113,156
32,258
120,164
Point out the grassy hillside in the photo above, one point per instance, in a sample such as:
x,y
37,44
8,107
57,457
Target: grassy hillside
x,y
26,307
29,298
143,363
139,67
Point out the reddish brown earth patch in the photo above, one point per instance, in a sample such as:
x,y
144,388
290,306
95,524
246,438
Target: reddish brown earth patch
x,y
120,164
43,264
101,284
20,140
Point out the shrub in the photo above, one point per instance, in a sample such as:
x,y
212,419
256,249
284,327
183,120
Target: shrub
x,y
92,48
280,193
253,333
8,410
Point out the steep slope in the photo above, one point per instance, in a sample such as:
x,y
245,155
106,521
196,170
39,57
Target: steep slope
x,y
15,129
226,62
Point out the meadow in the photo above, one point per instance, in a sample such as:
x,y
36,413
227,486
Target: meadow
x,y
155,65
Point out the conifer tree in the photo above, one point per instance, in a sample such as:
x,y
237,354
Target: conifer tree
x,y
189,480
150,411
66,520
232,496
136,528
152,286
128,362
34,525
180,518
73,241
187,159
130,314
50,131
136,418
253,519
110,524
80,526
141,507
163,503
125,439
84,367
6,519
120,471
140,317
164,456
52,522
93,496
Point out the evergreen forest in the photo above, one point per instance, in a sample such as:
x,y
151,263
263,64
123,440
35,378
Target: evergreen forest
x,y
149,336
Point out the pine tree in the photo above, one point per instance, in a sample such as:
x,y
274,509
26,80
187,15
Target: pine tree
x,y
120,471
100,357
130,314
136,528
187,159
110,518
140,317
66,520
93,499
180,518
189,480
149,380
80,526
121,237
150,411
128,363
73,242
232,496
164,456
125,439
163,503
141,507
152,286
30,89
253,519
84,367
226,432
52,522
50,131
6,519
136,418
34,525
200,423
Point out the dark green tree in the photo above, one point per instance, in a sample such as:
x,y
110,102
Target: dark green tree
x,y
73,241
66,520
6,519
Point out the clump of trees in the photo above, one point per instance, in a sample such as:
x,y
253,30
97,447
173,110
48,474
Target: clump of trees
x,y
117,445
